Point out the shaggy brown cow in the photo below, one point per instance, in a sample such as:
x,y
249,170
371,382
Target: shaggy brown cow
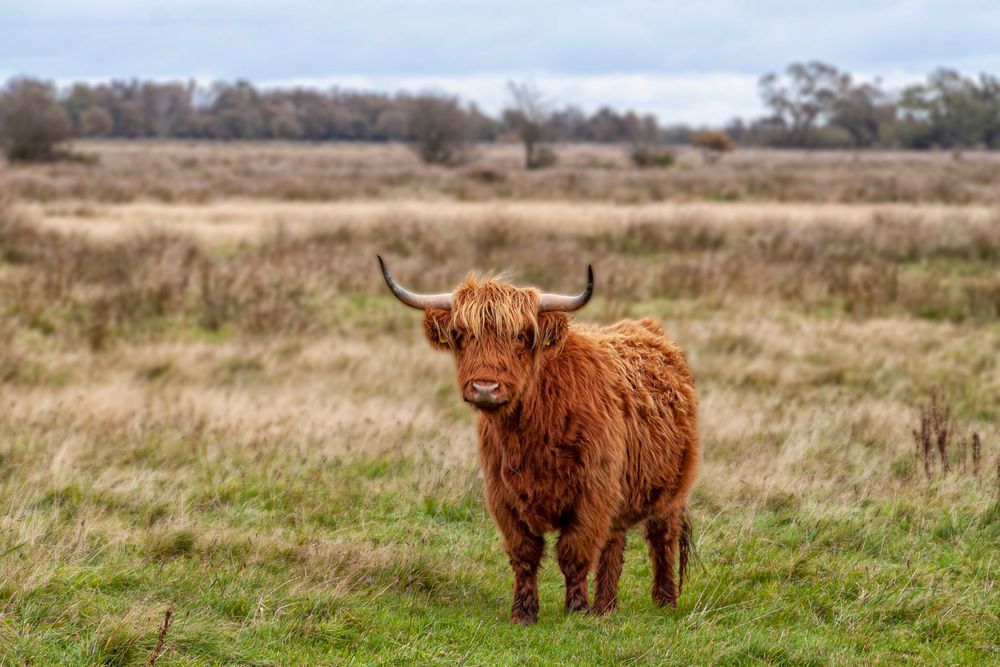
x,y
586,430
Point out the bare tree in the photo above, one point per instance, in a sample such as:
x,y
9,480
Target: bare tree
x,y
802,96
438,130
529,115
862,110
31,120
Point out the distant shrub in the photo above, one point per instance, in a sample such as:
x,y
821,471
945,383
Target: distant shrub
x,y
487,176
645,157
438,130
713,144
646,143
31,121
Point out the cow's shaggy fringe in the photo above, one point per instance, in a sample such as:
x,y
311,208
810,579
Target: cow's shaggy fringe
x,y
482,301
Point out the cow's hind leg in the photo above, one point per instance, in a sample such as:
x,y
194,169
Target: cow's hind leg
x,y
609,570
662,536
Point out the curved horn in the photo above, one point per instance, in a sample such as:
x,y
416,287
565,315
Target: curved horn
x,y
420,301
549,302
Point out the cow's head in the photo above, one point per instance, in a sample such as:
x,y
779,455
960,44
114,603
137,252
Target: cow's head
x,y
501,335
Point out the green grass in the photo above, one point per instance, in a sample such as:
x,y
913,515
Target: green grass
x,y
349,562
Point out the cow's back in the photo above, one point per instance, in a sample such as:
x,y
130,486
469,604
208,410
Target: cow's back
x,y
660,414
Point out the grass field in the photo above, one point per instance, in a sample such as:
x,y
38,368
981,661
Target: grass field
x,y
173,172
213,408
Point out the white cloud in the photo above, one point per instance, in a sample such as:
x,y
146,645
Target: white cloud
x,y
691,62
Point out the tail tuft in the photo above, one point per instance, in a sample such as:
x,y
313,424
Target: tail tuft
x,y
685,547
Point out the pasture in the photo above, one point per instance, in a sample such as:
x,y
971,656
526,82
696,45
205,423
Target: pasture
x,y
210,404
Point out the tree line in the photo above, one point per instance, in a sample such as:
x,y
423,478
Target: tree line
x,y
816,105
812,105
230,111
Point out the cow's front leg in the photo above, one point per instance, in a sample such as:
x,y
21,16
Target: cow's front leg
x,y
525,551
525,557
577,548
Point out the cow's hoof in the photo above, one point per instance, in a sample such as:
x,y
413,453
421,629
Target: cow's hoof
x,y
524,612
524,619
662,599
577,603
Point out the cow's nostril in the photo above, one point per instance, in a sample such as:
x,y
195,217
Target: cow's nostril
x,y
485,387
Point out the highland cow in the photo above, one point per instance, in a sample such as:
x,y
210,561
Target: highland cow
x,y
582,429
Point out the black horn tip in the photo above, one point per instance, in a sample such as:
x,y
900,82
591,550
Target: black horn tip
x,y
387,276
589,290
557,302
385,273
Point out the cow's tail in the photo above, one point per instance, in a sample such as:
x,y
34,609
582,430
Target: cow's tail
x,y
685,547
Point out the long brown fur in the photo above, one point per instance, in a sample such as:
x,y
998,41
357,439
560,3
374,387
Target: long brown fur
x,y
598,434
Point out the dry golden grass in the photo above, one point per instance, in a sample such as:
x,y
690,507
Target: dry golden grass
x,y
200,172
230,221
272,269
270,321
788,400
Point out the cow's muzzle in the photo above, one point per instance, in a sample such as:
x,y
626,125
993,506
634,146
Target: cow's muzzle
x,y
485,394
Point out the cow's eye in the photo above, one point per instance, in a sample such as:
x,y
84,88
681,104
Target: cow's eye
x,y
459,340
522,339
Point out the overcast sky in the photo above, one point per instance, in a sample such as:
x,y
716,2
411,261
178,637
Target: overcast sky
x,y
691,61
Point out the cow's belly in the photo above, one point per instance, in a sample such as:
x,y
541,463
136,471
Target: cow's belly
x,y
650,479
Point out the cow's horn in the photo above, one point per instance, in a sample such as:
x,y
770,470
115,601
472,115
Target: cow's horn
x,y
549,302
421,301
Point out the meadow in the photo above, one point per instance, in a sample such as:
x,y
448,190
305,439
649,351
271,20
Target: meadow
x,y
223,442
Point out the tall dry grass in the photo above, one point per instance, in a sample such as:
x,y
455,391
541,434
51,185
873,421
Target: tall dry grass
x,y
200,172
289,281
771,310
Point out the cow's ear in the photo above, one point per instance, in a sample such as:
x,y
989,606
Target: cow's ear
x,y
552,327
437,328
